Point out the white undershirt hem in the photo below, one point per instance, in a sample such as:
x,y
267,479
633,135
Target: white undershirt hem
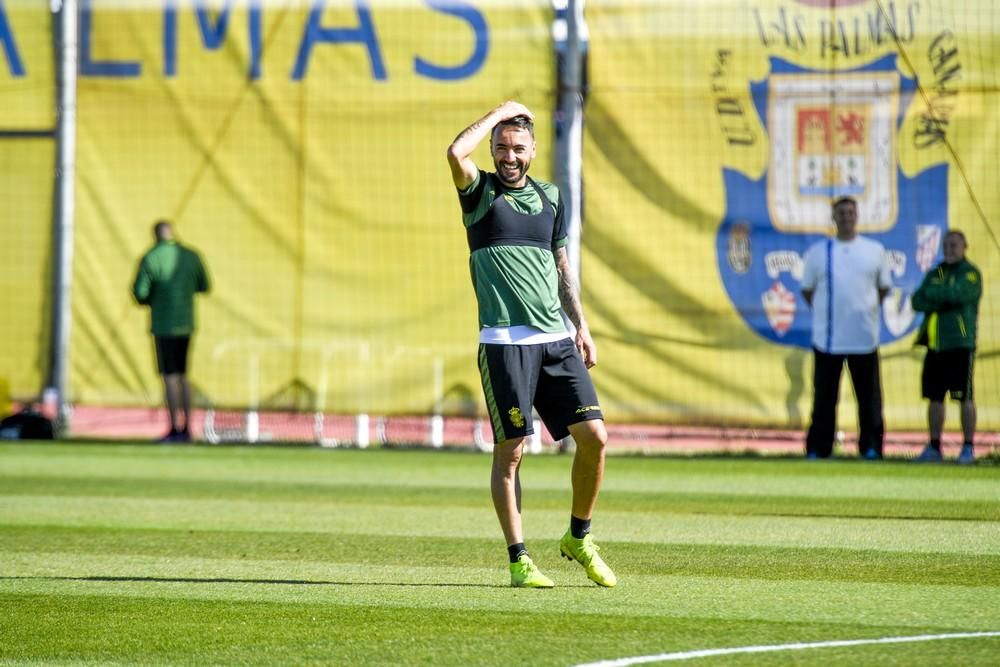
x,y
520,334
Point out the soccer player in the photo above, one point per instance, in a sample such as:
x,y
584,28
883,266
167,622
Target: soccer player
x,y
949,296
169,275
527,359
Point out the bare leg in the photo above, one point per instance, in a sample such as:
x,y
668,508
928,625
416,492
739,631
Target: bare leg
x,y
588,465
505,486
186,402
172,383
968,420
935,419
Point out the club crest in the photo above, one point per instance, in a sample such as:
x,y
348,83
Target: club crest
x,y
928,245
779,306
738,253
830,133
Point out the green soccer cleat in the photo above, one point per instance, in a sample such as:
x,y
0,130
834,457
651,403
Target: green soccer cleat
x,y
525,574
585,553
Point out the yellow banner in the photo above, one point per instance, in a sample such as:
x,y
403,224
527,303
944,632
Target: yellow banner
x,y
717,135
27,166
301,149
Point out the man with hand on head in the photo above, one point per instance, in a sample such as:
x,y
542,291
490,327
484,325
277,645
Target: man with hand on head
x,y
527,359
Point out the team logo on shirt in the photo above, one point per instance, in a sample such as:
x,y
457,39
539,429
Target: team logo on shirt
x,y
829,133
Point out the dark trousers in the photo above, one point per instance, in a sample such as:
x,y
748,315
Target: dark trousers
x,y
864,370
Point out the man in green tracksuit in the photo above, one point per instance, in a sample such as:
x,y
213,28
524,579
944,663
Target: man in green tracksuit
x,y
949,296
169,276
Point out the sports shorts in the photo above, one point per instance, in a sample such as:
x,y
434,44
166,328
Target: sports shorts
x,y
549,377
171,354
948,371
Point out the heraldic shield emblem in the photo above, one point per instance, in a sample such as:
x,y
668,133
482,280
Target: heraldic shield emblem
x,y
831,133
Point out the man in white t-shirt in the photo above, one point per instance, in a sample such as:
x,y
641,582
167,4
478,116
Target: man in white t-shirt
x,y
844,280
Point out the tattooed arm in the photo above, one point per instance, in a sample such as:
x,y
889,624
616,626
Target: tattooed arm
x,y
569,298
463,169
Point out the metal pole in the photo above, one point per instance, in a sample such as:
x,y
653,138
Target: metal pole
x,y
65,34
569,33
570,38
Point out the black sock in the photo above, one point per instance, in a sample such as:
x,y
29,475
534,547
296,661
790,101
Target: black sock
x,y
936,443
579,527
515,550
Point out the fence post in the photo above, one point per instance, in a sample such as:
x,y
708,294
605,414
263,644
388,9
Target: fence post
x,y
66,48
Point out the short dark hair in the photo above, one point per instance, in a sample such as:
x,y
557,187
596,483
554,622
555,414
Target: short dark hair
x,y
162,229
520,122
959,233
844,199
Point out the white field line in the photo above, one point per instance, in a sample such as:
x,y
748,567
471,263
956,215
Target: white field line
x,y
705,653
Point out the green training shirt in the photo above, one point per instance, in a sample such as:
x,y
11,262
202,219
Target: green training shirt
x,y
169,275
949,296
512,235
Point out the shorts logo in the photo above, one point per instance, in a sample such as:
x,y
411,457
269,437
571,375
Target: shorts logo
x,y
817,151
516,418
587,408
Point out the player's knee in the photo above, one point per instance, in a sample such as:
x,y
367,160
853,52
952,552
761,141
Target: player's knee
x,y
590,434
507,453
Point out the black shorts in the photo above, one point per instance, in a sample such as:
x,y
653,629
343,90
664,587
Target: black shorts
x,y
948,371
171,354
551,377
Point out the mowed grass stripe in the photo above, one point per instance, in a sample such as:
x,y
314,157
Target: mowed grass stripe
x,y
692,502
927,536
379,468
729,561
196,632
903,605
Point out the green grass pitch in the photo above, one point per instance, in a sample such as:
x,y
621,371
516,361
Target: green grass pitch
x,y
183,555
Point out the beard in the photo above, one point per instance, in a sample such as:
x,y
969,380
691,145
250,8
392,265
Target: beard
x,y
511,176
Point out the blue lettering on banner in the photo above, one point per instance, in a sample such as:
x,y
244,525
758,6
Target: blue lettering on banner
x,y
9,47
255,39
212,36
213,29
477,22
91,67
169,38
364,34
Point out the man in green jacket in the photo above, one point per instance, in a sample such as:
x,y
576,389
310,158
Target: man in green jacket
x,y
949,297
169,276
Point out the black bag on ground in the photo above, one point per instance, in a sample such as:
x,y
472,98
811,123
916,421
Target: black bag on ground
x,y
26,425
